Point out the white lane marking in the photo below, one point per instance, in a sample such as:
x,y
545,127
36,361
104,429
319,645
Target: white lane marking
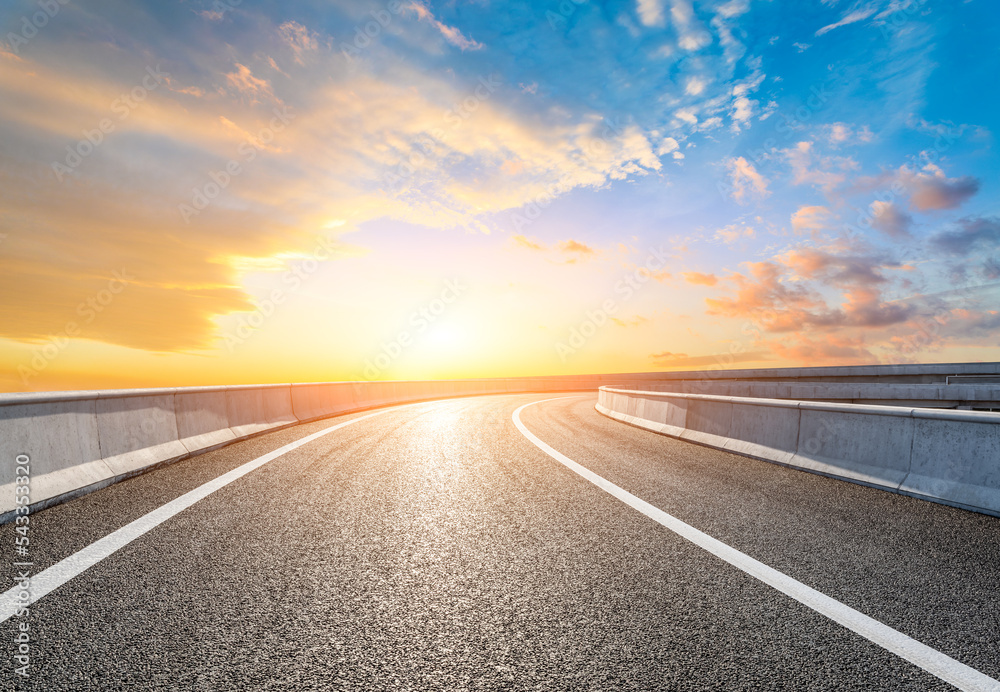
x,y
58,574
933,661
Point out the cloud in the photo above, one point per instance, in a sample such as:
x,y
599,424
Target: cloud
x,y
650,12
972,234
695,86
522,241
890,219
451,34
826,348
929,189
636,321
691,35
350,129
734,232
298,38
683,360
843,133
786,293
849,18
810,219
807,169
733,8
243,82
745,181
700,279
575,247
667,146
742,111
934,190
762,296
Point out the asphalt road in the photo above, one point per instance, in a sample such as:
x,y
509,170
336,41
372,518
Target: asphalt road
x,y
433,546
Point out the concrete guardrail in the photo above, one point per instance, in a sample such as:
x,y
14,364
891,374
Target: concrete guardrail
x,y
951,457
983,396
78,442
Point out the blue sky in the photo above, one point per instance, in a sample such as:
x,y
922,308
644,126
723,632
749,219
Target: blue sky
x,y
821,175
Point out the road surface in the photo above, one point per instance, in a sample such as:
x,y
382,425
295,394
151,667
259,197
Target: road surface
x,y
435,546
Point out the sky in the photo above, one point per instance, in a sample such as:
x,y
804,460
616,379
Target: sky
x,y
217,191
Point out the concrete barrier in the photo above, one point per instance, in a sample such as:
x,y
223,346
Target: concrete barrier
x,y
769,429
60,437
956,457
985,395
137,431
951,457
202,418
82,441
869,444
254,409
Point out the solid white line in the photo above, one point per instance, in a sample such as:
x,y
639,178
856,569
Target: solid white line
x,y
58,574
933,661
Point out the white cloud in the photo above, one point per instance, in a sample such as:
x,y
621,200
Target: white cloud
x,y
818,173
733,8
695,86
686,115
849,18
844,133
745,180
734,232
451,34
691,35
668,145
650,12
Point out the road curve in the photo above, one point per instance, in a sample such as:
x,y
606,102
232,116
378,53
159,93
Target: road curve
x,y
434,546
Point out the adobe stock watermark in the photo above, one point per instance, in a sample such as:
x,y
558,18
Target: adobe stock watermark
x,y
532,211
787,123
220,8
31,25
567,8
122,107
420,319
365,34
598,318
22,564
454,117
900,14
219,180
947,135
88,310
248,324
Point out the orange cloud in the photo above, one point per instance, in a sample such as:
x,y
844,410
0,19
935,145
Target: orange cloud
x,y
576,247
700,279
666,359
522,241
244,83
810,219
298,38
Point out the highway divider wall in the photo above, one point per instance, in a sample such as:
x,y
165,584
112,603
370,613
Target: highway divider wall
x,y
938,395
951,457
78,442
